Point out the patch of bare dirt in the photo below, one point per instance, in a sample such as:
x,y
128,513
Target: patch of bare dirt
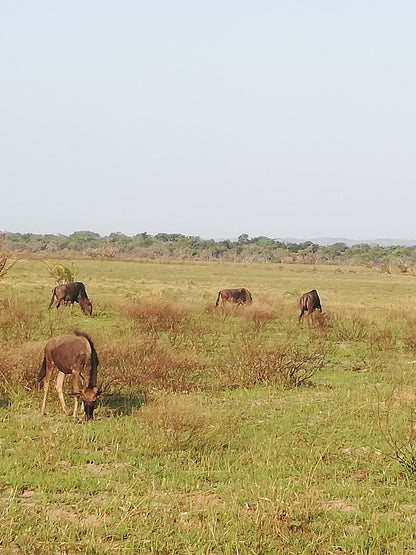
x,y
340,505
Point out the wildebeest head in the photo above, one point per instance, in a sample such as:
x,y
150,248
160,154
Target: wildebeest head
x,y
86,306
89,396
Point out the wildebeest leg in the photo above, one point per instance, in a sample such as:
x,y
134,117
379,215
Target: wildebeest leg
x,y
59,386
46,379
76,388
45,394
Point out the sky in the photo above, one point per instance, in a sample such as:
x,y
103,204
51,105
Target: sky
x,y
280,118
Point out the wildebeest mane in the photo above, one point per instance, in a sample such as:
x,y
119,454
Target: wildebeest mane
x,y
94,358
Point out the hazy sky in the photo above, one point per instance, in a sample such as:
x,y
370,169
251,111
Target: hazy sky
x,y
283,118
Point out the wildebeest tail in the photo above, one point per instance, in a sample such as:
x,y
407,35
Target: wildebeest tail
x,y
42,371
218,298
53,297
303,302
94,359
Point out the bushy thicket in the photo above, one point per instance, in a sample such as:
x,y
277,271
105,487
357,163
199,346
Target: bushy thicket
x,y
175,246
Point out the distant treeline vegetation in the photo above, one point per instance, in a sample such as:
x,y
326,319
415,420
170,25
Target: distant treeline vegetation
x,y
174,246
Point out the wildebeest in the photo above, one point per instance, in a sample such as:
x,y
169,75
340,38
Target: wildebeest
x,y
72,293
309,302
236,296
72,353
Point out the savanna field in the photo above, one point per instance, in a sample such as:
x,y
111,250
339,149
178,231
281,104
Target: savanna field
x,y
226,431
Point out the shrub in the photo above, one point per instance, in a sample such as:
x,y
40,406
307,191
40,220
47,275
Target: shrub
x,y
61,273
400,435
157,315
18,321
148,365
287,366
176,423
354,328
5,263
259,314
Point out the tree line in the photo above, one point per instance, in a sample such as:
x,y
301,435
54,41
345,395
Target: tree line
x,y
175,246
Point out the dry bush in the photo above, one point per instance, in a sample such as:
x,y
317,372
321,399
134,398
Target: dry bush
x,y
409,340
402,266
287,366
19,321
6,263
409,337
259,314
20,366
157,315
382,339
149,365
319,323
385,268
177,423
354,328
396,419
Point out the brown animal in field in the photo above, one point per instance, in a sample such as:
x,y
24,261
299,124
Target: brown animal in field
x,y
72,293
309,302
72,353
235,296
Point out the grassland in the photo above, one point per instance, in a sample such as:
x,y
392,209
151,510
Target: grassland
x,y
236,431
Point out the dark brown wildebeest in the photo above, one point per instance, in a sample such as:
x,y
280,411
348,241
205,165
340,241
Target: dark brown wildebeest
x,y
236,296
72,353
309,302
72,293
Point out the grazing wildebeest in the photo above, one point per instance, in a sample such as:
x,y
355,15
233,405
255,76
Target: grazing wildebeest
x,y
236,296
309,302
72,293
72,353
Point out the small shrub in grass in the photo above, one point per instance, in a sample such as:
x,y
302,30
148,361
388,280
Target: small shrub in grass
x,y
382,339
409,336
62,273
354,328
258,315
19,321
149,365
286,366
320,324
179,422
158,315
399,431
6,263
20,366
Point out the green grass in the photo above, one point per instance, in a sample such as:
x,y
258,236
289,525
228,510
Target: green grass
x,y
203,444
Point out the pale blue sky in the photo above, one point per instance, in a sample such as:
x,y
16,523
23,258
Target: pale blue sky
x,y
276,118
